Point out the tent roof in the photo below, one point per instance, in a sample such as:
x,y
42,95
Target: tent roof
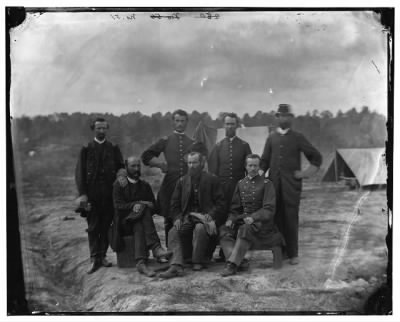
x,y
255,136
367,165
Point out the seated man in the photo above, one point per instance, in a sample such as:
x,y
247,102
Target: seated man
x,y
134,207
197,200
251,218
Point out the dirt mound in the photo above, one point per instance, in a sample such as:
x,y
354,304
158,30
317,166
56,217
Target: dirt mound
x,y
342,262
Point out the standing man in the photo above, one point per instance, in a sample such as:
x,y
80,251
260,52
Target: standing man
x,y
251,219
227,160
175,147
134,206
197,201
282,157
95,173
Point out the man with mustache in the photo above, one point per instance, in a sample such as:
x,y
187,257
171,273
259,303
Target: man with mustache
x,y
251,219
197,201
174,147
282,157
95,173
134,206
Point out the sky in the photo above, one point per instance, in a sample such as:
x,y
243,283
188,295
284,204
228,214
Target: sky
x,y
242,62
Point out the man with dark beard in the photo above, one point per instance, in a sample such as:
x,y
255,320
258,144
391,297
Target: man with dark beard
x,y
282,157
174,147
197,201
95,173
134,204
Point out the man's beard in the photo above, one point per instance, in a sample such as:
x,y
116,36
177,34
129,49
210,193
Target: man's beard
x,y
284,125
230,133
194,172
135,175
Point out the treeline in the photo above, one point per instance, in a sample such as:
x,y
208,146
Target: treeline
x,y
135,131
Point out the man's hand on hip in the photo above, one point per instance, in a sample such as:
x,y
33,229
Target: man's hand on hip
x,y
248,220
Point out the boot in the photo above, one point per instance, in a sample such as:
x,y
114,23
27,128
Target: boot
x,y
96,264
230,269
143,269
173,271
161,254
244,265
294,260
197,267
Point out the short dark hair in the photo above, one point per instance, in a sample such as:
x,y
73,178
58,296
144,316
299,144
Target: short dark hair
x,y
232,115
252,156
98,119
181,113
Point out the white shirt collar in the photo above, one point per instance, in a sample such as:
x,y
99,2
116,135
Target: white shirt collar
x,y
232,138
98,141
131,180
179,133
282,131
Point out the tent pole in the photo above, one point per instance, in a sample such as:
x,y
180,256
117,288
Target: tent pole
x,y
335,160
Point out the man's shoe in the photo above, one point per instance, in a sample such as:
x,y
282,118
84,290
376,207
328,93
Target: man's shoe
x,y
173,271
96,264
161,254
105,263
244,265
143,269
294,260
230,269
197,267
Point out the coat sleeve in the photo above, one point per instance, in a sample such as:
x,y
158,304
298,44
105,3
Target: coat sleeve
x,y
236,208
267,211
266,155
311,153
81,173
176,204
213,162
218,199
248,149
154,150
118,198
118,159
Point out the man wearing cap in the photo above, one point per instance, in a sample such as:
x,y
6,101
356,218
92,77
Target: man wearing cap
x,y
251,219
95,173
197,201
134,206
175,147
282,157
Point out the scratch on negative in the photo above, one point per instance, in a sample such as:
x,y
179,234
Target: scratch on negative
x,y
339,254
375,66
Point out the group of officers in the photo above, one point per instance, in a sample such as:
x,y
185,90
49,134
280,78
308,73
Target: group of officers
x,y
207,198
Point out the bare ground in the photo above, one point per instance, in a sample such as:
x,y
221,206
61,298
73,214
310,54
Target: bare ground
x,y
342,261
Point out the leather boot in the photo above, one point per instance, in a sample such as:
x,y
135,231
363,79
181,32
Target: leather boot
x,y
143,269
230,269
96,264
173,271
244,265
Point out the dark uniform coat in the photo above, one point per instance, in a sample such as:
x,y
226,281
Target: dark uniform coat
x,y
174,147
255,198
282,156
95,173
210,196
227,161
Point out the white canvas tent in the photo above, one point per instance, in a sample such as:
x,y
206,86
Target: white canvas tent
x,y
367,166
255,136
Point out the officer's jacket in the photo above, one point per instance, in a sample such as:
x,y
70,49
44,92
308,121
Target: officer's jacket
x,y
227,158
253,198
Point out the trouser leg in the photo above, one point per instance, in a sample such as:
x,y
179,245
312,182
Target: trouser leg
x,y
227,240
242,244
168,224
150,232
291,230
105,223
140,240
93,235
200,244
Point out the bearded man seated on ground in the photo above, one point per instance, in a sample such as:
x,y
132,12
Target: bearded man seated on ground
x,y
134,204
251,219
198,199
